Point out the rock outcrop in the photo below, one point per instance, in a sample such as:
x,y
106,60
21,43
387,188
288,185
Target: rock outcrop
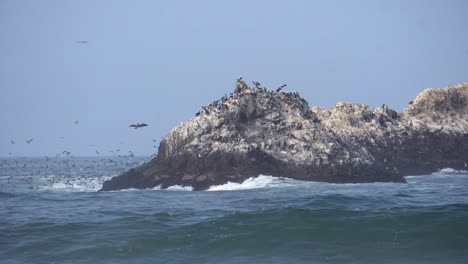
x,y
257,131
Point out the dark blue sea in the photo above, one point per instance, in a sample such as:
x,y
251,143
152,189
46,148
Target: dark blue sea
x,y
51,212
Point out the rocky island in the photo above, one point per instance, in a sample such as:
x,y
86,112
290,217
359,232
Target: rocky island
x,y
256,131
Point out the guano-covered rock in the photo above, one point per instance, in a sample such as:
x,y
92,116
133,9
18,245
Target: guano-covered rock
x,y
255,131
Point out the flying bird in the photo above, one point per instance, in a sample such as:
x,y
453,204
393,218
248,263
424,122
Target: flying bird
x,y
280,88
82,42
28,140
76,122
12,142
138,125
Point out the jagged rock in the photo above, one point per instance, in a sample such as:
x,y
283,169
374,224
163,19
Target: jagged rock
x,y
256,131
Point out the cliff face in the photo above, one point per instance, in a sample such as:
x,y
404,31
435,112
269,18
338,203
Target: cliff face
x,y
256,131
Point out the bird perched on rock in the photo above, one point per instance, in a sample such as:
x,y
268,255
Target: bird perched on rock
x,y
138,125
280,88
240,85
257,84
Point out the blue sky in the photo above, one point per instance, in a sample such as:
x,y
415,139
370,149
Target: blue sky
x,y
159,61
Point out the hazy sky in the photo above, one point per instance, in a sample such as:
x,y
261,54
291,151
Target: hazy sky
x,y
159,61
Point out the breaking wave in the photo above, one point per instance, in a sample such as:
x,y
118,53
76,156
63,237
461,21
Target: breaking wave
x,y
450,171
179,188
262,181
446,172
81,184
54,183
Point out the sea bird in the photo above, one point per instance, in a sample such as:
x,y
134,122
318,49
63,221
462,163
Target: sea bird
x,y
257,85
28,140
82,42
280,88
138,125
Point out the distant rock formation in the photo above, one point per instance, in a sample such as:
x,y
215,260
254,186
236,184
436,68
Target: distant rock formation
x,y
257,131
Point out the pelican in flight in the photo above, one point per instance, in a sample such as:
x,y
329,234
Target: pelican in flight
x,y
138,125
280,88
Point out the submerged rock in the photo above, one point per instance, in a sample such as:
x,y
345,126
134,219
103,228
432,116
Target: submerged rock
x,y
257,131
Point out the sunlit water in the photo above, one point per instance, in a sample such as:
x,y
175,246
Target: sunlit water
x,y
51,212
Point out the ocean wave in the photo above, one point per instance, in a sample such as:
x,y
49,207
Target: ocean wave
x,y
62,183
262,181
179,188
446,172
450,171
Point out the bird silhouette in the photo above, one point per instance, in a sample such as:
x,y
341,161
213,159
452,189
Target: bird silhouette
x,y
257,84
138,125
280,88
28,140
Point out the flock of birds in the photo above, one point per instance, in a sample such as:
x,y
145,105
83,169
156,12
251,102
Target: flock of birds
x,y
135,126
220,105
64,167
258,86
64,170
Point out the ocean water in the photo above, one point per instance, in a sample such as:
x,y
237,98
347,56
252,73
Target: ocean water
x,y
51,212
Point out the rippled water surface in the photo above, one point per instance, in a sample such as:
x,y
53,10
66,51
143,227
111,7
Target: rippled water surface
x,y
51,212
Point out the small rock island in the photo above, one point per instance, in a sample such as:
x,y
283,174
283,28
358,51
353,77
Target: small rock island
x,y
256,131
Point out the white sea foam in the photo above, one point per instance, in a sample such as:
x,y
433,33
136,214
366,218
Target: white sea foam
x,y
451,171
442,173
71,184
262,181
179,188
128,190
